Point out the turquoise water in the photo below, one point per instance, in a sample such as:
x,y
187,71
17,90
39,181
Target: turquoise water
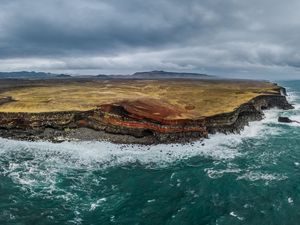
x,y
247,178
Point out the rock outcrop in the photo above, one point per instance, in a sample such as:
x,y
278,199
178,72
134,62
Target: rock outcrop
x,y
282,119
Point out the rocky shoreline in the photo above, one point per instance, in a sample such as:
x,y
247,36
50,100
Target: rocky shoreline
x,y
114,123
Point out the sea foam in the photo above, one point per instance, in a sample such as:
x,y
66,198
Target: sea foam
x,y
105,154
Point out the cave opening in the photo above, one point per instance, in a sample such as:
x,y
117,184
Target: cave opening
x,y
147,132
118,110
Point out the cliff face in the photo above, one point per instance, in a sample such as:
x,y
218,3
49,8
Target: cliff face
x,y
134,122
251,111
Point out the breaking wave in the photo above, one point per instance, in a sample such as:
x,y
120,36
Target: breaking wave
x,y
104,154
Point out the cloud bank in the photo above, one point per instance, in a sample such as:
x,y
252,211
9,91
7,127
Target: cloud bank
x,y
233,37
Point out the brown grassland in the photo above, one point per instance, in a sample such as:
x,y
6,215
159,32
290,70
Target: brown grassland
x,y
192,98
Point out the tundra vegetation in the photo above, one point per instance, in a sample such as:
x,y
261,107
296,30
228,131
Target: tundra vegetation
x,y
169,99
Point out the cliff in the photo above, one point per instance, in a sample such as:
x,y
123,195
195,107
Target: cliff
x,y
142,120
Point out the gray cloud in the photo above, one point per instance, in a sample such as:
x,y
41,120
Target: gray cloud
x,y
234,37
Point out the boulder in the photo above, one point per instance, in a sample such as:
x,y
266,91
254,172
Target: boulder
x,y
282,119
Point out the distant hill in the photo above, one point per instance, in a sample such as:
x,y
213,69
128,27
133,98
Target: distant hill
x,y
139,75
63,76
156,74
104,76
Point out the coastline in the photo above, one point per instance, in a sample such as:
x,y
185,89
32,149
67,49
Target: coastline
x,y
101,125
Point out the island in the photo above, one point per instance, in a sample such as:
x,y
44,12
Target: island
x,y
132,110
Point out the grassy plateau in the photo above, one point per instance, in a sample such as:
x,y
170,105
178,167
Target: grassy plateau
x,y
189,99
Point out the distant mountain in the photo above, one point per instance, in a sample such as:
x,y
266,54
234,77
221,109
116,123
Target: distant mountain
x,y
139,75
23,74
63,75
31,75
157,74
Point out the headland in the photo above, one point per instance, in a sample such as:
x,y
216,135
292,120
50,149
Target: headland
x,y
132,111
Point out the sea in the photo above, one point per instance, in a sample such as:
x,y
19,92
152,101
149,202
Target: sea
x,y
247,178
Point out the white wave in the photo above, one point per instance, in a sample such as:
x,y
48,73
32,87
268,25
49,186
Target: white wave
x,y
97,204
293,96
290,201
85,154
214,174
255,176
235,215
103,154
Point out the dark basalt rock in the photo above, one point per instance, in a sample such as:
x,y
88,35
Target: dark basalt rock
x,y
282,119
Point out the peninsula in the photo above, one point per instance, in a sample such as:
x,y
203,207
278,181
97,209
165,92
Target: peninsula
x,y
131,110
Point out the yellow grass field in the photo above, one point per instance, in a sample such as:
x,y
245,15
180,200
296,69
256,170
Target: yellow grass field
x,y
193,98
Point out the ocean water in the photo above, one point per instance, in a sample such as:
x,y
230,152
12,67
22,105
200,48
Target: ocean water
x,y
247,178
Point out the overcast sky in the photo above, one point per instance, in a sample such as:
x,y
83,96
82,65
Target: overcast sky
x,y
251,38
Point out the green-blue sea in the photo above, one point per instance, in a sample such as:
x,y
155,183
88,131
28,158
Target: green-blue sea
x,y
247,178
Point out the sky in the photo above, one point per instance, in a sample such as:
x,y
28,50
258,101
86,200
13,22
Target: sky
x,y
231,38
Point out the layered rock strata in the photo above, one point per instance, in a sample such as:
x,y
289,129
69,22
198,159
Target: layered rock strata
x,y
132,122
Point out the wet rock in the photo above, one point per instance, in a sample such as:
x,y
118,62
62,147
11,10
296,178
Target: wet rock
x,y
282,119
